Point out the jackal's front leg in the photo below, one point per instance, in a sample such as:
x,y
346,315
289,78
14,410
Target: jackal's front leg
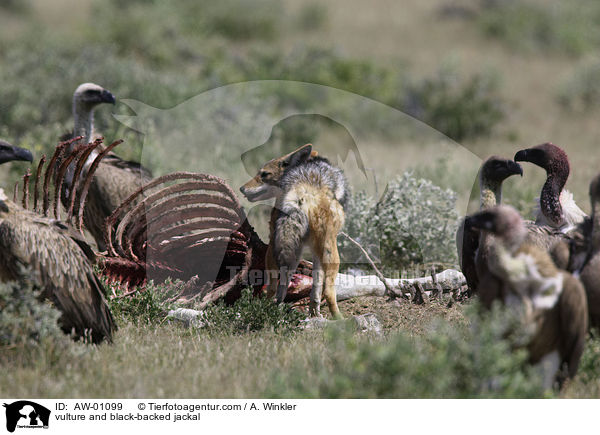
x,y
272,272
285,276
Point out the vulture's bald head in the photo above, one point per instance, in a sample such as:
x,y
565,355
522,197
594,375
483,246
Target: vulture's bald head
x,y
503,221
89,95
497,169
547,156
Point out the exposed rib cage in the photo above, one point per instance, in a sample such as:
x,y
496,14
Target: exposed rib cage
x,y
183,225
55,174
192,227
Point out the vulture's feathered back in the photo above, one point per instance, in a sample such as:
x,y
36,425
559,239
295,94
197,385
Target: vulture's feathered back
x,y
58,259
49,250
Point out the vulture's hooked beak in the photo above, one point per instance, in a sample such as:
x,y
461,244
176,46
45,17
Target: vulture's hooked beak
x,y
515,168
521,156
9,153
107,97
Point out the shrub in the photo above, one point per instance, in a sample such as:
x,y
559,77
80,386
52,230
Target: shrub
x,y
414,222
589,366
148,305
461,109
569,27
178,32
242,19
25,318
16,6
250,313
581,91
308,64
449,361
312,16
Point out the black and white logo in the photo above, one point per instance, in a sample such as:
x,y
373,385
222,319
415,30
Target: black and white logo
x,y
25,414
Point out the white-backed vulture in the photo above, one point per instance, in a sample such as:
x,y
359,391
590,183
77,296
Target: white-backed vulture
x,y
491,175
58,260
115,179
554,301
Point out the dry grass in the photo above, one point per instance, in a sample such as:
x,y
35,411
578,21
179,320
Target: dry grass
x,y
170,361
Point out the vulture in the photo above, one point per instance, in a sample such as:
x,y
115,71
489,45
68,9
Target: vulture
x,y
59,261
560,225
491,175
590,272
554,301
556,207
115,179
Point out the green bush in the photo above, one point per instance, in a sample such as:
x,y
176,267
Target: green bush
x,y
581,91
413,222
589,366
448,361
307,64
16,6
25,319
164,34
250,313
312,16
148,305
569,27
461,109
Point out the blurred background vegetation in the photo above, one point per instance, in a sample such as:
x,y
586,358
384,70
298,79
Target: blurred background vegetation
x,y
493,75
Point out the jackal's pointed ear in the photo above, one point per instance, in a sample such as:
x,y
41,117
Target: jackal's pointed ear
x,y
299,156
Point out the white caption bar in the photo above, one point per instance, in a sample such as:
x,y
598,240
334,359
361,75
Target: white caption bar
x,y
248,416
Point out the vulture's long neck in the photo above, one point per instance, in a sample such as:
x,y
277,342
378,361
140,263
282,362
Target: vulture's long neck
x,y
550,204
83,126
84,123
490,193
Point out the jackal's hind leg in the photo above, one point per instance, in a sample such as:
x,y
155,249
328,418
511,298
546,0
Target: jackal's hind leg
x,y
331,266
317,287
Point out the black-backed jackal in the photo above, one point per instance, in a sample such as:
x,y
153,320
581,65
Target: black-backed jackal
x,y
309,209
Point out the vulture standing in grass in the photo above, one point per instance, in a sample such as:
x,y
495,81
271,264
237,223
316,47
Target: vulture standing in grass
x,y
115,179
554,302
58,261
590,272
491,175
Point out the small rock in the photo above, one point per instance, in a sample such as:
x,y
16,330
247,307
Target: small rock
x,y
314,323
363,323
188,316
367,323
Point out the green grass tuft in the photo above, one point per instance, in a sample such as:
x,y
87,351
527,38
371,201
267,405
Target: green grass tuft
x,y
250,314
